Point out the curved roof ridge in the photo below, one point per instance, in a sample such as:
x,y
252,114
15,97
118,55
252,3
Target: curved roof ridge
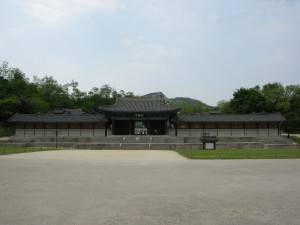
x,y
139,99
61,118
206,117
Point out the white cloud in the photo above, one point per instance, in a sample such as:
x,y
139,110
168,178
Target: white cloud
x,y
141,51
171,15
58,12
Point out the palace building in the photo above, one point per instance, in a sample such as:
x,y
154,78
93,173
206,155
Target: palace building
x,y
140,116
145,116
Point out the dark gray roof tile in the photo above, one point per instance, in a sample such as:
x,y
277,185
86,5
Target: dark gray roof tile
x,y
206,117
136,105
58,118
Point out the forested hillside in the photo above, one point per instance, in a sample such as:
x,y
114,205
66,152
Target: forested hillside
x,y
187,105
20,95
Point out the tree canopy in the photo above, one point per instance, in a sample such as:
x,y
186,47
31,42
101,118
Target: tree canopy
x,y
271,98
19,95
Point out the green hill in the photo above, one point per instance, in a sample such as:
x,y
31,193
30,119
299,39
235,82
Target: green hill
x,y
179,100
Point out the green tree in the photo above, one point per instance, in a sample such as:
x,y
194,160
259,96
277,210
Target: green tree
x,y
248,100
4,70
76,96
293,115
55,94
39,105
224,107
199,107
8,107
276,100
182,106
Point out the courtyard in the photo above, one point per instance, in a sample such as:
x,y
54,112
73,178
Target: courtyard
x,y
80,187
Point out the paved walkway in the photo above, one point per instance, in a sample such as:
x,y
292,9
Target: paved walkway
x,y
102,155
146,187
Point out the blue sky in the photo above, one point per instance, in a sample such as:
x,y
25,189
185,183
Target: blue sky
x,y
203,49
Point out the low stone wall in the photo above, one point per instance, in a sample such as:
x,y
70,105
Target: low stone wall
x,y
170,132
224,132
61,132
147,142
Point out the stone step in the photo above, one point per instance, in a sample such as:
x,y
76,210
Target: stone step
x,y
281,146
9,144
146,142
239,145
136,146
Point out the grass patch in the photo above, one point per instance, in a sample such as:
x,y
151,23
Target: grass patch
x,y
3,131
296,140
16,150
241,154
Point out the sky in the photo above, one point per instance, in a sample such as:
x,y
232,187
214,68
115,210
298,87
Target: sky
x,y
202,49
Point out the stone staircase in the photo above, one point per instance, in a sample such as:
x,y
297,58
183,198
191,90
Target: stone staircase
x,y
255,143
146,142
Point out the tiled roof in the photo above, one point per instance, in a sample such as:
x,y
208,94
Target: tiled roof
x,y
207,117
68,111
58,118
143,105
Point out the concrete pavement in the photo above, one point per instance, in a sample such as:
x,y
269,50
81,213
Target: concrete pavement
x,y
101,155
145,187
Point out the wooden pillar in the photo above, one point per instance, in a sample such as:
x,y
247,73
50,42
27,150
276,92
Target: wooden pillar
x,y
106,127
166,126
175,126
113,126
244,127
130,126
148,125
93,126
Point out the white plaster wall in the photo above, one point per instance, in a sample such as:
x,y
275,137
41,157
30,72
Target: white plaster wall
x,y
87,132
183,132
251,132
224,132
238,132
99,132
171,132
63,132
74,132
263,132
29,132
19,132
39,132
211,132
196,132
50,132
273,132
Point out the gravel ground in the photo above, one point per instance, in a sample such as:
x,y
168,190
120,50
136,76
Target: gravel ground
x,y
80,187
